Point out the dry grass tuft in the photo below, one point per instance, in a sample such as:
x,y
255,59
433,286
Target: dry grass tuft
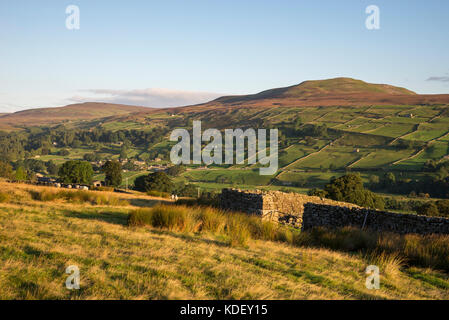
x,y
77,197
237,227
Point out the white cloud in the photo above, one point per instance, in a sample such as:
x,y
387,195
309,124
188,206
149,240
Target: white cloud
x,y
441,79
152,97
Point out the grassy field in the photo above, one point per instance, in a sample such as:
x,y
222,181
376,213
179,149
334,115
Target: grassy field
x,y
365,139
40,239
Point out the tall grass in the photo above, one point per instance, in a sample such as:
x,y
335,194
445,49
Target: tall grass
x,y
386,250
238,228
4,197
411,249
78,197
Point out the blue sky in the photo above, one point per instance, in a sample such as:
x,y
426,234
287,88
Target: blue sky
x,y
160,53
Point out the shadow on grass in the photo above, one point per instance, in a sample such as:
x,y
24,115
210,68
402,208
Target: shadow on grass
x,y
119,218
190,238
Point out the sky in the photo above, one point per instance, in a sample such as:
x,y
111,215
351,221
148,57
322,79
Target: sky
x,y
173,53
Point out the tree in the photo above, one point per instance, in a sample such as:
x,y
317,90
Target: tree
x,y
317,193
123,153
349,188
428,209
76,171
5,170
113,172
188,190
389,179
91,157
298,123
443,207
175,170
157,181
64,152
52,168
21,174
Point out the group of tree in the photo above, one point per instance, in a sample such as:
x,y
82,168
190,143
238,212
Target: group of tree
x,y
162,182
176,170
40,141
76,171
349,188
434,208
157,181
81,172
435,182
21,171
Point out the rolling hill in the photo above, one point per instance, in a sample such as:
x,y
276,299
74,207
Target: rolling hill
x,y
333,92
317,93
321,88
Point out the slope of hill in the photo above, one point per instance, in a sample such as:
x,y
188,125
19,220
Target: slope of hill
x,y
74,112
41,239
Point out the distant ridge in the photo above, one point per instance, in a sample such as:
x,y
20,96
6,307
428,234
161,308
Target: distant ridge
x,y
315,93
73,112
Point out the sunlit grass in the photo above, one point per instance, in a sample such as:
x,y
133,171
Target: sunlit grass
x,y
40,239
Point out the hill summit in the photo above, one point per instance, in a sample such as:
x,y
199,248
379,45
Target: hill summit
x,y
322,88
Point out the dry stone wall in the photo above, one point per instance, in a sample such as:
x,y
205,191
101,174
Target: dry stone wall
x,y
275,206
306,212
316,215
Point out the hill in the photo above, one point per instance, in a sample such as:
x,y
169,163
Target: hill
x,y
40,239
333,92
318,89
74,112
